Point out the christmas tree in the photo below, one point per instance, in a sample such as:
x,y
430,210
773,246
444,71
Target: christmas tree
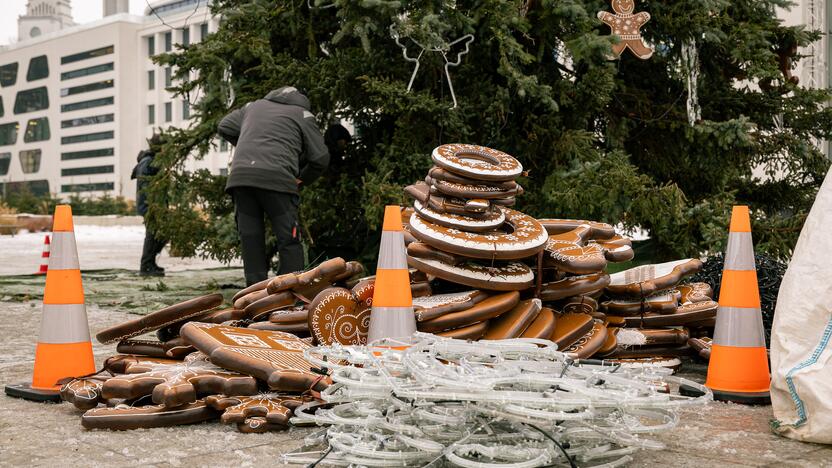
x,y
666,143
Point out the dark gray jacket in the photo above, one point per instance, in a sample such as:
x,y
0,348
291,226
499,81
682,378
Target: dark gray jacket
x,y
142,172
277,141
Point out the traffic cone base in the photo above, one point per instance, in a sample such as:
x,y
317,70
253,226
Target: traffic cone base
x,y
26,392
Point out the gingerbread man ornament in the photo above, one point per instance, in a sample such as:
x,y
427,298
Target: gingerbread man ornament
x,y
626,25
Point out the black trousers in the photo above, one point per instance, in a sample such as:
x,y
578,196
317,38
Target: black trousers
x,y
250,204
152,247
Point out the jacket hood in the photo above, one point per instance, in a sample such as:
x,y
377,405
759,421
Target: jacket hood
x,y
288,95
145,154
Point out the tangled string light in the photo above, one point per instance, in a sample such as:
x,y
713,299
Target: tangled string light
x,y
488,404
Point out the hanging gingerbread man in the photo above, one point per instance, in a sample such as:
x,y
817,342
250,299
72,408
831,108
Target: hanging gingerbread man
x,y
626,25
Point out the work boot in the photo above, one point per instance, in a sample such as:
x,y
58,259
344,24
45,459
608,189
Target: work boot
x,y
153,271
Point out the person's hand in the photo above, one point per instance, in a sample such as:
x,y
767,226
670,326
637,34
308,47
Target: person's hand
x,y
298,181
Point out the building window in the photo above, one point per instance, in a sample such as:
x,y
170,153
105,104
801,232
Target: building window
x,y
8,74
151,79
31,100
186,36
98,136
87,187
86,104
87,88
37,130
5,162
96,153
151,114
2,111
168,111
223,145
168,77
82,121
186,110
104,67
224,171
30,161
8,133
38,68
75,171
151,45
168,41
87,55
203,31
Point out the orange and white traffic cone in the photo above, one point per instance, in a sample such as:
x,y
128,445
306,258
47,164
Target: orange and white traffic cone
x,y
391,320
738,369
64,348
44,263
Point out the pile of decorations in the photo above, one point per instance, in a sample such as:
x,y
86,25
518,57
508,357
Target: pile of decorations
x,y
570,360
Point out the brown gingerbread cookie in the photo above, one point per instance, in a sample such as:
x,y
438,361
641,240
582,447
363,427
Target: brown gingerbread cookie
x,y
648,337
465,191
646,280
610,344
590,343
574,286
513,323
662,303
258,413
497,276
173,385
297,329
85,392
625,25
302,283
570,252
630,352
597,231
159,319
702,347
263,307
337,316
290,315
437,173
246,300
569,328
470,332
477,208
175,348
543,325
273,357
492,306
490,221
477,162
616,249
125,417
695,292
688,315
430,307
579,305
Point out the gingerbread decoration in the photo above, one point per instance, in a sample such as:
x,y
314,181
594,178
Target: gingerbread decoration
x,y
626,25
336,315
124,417
257,413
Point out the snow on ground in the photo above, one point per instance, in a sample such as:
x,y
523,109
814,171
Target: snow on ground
x,y
99,247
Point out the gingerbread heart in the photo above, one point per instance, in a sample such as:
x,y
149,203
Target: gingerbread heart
x,y
272,356
173,385
336,316
590,343
569,328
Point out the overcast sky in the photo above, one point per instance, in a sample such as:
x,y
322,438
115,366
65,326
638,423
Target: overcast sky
x,y
83,11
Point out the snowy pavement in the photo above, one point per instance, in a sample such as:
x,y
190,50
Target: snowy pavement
x,y
99,247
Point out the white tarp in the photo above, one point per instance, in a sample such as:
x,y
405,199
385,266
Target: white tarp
x,y
801,337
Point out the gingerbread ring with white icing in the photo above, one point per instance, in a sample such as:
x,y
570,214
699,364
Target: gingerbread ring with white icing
x,y
569,252
473,208
543,325
489,308
471,332
598,230
489,222
616,249
526,239
477,162
511,276
430,307
514,322
465,191
574,286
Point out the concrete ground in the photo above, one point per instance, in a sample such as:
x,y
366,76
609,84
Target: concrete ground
x,y
33,434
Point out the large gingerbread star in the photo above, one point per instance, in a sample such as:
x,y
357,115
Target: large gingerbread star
x,y
626,26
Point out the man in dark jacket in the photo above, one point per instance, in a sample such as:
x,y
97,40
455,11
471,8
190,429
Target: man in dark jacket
x,y
153,245
279,147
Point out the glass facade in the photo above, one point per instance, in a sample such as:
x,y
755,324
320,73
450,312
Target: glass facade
x,y
92,120
203,31
31,100
151,45
8,74
168,41
38,68
8,133
151,114
87,55
96,153
98,136
35,187
30,161
87,187
223,145
186,110
87,87
104,67
2,111
87,104
168,77
168,111
151,79
5,162
186,36
74,171
37,130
